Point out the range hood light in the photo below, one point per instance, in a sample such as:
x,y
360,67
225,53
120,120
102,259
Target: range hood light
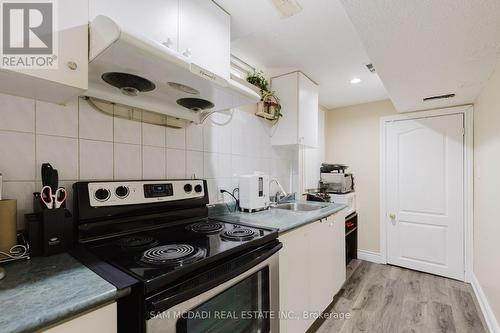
x,y
183,88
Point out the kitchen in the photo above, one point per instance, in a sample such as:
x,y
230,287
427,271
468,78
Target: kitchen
x,y
279,166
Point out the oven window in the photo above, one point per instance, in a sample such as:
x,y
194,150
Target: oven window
x,y
241,308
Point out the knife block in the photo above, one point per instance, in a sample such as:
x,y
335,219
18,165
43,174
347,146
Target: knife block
x,y
49,231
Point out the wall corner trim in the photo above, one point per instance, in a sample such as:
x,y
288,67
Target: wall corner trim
x,y
370,256
488,314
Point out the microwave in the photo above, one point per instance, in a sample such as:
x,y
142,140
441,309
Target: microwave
x,y
335,182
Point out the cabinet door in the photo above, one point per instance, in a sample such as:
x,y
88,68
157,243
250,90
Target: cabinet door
x,y
72,47
286,132
100,320
321,262
337,221
204,35
294,279
308,112
154,19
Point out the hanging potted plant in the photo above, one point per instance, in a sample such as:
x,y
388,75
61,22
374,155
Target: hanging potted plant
x,y
269,106
257,79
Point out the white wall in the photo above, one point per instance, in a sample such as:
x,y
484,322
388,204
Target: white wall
x,y
84,144
487,191
352,138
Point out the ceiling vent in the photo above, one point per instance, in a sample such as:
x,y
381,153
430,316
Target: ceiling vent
x,y
370,68
431,98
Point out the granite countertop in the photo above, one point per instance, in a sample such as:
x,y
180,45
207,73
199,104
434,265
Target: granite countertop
x,y
45,290
282,219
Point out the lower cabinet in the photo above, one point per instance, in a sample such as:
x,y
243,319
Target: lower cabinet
x,y
312,271
101,320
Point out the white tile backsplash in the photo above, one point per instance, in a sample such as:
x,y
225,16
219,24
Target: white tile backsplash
x,y
127,131
96,160
17,156
53,119
176,138
84,144
17,113
153,162
176,163
93,124
60,152
194,137
153,135
128,161
194,164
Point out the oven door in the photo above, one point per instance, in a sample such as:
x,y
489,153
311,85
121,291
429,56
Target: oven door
x,y
248,302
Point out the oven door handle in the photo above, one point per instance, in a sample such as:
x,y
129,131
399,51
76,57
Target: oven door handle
x,y
209,279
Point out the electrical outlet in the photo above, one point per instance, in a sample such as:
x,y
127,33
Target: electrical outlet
x,y
220,196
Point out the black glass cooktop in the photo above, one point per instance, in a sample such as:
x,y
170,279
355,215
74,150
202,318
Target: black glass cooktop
x,y
163,255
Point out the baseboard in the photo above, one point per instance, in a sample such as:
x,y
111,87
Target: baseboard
x,y
369,256
489,316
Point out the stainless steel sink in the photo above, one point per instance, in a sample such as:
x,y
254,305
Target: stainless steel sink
x,y
299,207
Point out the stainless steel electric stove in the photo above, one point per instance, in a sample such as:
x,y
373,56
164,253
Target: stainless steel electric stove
x,y
154,239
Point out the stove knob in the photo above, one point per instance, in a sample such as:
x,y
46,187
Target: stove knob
x,y
121,192
102,194
198,188
188,188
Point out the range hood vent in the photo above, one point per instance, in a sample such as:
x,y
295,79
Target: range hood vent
x,y
132,70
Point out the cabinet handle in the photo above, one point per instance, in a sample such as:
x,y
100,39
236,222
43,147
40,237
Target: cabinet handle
x,y
187,53
392,216
168,43
72,65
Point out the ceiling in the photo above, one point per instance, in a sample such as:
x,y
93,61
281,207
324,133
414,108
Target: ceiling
x,y
427,47
320,41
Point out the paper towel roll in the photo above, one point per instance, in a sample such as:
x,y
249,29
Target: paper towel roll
x,y
8,223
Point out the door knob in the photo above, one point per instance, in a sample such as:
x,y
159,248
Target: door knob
x,y
392,216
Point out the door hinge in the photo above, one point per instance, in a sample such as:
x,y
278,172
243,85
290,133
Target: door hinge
x,y
463,131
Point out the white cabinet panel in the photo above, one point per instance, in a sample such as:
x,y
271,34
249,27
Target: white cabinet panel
x,y
154,19
299,100
294,277
101,320
308,112
204,35
312,270
61,84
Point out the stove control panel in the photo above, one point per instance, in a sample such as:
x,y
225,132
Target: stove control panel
x,y
102,194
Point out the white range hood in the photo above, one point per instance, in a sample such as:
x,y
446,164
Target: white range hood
x,y
145,74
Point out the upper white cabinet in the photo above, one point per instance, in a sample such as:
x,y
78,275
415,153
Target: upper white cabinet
x,y
205,35
154,19
299,101
199,29
70,78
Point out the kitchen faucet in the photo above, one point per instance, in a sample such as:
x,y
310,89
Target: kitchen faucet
x,y
281,195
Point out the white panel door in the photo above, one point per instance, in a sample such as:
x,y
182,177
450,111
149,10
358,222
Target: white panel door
x,y
425,195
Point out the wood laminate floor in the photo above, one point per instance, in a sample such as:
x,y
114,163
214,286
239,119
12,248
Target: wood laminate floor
x,y
390,299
